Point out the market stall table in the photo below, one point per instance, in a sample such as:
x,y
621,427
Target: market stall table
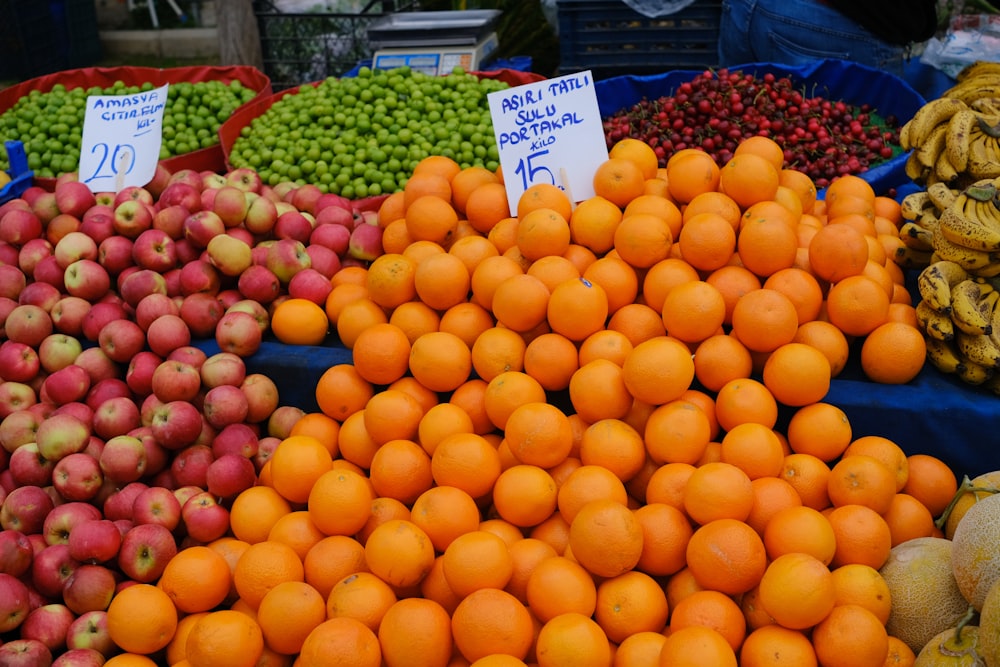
x,y
933,414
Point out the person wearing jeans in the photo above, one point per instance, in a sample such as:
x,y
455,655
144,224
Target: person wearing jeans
x,y
877,33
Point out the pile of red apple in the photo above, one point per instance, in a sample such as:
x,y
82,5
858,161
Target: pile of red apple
x,y
121,439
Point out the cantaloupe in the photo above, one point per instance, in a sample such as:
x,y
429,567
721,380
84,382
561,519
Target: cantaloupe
x,y
989,627
975,558
967,498
950,649
926,599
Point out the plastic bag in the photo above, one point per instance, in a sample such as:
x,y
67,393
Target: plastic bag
x,y
657,8
970,37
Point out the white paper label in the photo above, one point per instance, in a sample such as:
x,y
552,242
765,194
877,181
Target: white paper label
x,y
121,139
549,132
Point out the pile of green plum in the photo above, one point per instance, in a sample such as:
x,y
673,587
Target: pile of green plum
x,y
361,136
50,123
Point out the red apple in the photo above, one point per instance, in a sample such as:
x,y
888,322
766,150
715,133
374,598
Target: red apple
x,y
336,214
189,354
77,477
157,504
286,257
116,416
176,424
311,285
145,551
135,193
293,225
58,350
121,340
201,226
223,368
183,194
305,197
365,243
47,270
167,333
18,428
29,468
200,275
104,389
87,279
90,631
259,283
40,294
18,226
123,459
97,364
132,217
94,541
231,204
25,653
176,381
324,260
66,385
14,602
261,216
239,333
229,475
170,220
62,434
28,257
204,518
79,657
154,249
153,306
139,374
63,518
67,315
15,552
244,178
255,309
115,255
49,625
74,246
262,397
239,438
118,505
137,285
89,588
100,225
50,569
25,508
225,404
19,362
28,324
190,465
282,419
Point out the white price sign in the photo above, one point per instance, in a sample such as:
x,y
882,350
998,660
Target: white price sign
x,y
121,139
549,132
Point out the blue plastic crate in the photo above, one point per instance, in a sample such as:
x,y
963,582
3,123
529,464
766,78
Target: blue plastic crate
x,y
21,176
611,39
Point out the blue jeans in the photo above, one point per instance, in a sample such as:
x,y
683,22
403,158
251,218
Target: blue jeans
x,y
796,32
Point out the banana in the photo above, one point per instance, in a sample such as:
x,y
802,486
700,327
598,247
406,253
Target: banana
x,y
941,195
912,258
944,170
915,236
984,155
973,88
972,373
986,105
914,204
914,169
969,308
957,139
980,349
934,324
929,220
934,284
959,226
967,258
977,68
943,356
927,152
904,136
930,115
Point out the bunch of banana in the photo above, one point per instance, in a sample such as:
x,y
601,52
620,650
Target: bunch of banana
x,y
968,231
955,138
958,314
921,212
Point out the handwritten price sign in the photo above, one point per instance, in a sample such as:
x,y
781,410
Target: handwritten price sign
x,y
121,139
549,132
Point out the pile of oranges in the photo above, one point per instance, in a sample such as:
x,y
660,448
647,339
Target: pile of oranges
x,y
558,442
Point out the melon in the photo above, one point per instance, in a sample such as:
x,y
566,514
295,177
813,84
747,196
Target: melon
x,y
986,485
950,649
926,599
975,559
989,627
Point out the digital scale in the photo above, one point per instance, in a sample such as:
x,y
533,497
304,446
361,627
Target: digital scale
x,y
434,42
